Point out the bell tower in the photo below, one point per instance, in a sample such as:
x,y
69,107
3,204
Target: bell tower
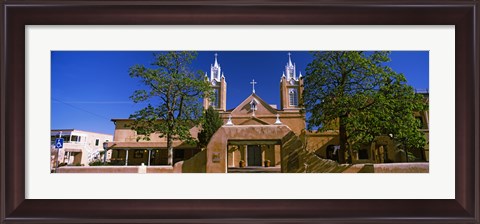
x,y
291,87
219,85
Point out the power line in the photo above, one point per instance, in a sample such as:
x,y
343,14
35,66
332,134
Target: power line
x,y
79,108
99,102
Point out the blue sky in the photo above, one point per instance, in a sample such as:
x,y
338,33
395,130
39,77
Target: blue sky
x,y
89,88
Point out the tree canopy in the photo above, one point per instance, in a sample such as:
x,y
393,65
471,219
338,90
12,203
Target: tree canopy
x,y
357,93
173,92
210,124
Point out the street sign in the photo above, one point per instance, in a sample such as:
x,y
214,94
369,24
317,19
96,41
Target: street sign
x,y
59,143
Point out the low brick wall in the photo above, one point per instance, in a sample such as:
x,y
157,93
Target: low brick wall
x,y
357,168
115,169
159,169
401,168
98,169
354,168
389,168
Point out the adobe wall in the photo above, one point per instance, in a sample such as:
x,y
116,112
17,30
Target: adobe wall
x,y
401,168
295,122
123,133
118,169
317,142
98,169
196,164
294,157
216,153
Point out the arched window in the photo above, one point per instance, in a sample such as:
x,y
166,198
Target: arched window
x,y
293,96
253,105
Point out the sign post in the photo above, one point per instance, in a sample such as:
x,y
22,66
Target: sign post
x,y
58,146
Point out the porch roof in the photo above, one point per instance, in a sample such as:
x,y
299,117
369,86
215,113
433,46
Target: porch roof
x,y
147,145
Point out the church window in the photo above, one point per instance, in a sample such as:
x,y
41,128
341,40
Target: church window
x,y
215,73
215,99
293,97
291,73
253,105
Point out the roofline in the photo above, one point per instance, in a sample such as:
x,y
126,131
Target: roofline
x,y
72,130
254,95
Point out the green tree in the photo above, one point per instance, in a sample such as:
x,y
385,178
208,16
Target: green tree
x,y
210,124
362,97
172,91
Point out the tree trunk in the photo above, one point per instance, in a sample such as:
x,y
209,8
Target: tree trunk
x,y
169,150
343,141
350,151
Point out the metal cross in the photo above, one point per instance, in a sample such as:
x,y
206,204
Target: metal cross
x,y
253,85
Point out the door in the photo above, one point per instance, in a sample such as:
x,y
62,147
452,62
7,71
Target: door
x,y
254,156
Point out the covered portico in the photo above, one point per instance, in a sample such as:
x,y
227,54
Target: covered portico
x,y
148,153
250,153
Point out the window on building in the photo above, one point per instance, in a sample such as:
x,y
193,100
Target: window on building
x,y
253,105
97,141
66,138
76,138
293,96
215,99
291,73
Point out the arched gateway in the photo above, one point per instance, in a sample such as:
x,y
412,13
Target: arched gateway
x,y
214,158
216,153
294,158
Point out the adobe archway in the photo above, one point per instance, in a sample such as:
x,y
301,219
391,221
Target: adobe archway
x,y
216,153
294,157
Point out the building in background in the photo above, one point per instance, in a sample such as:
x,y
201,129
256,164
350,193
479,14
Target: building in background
x,y
79,147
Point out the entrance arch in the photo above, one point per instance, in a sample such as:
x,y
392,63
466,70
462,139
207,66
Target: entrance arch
x,y
294,158
216,152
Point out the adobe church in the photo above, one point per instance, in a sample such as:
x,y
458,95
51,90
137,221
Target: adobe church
x,y
254,134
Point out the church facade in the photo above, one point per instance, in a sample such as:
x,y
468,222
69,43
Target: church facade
x,y
245,149
253,110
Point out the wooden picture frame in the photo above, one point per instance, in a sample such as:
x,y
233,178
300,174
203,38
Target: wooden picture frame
x,y
463,14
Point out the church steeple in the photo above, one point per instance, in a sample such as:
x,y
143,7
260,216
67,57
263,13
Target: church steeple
x,y
290,69
291,87
219,85
215,70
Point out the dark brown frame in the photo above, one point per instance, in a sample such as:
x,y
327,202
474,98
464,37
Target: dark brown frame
x,y
463,14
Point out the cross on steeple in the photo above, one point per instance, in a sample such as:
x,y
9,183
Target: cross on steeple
x,y
253,85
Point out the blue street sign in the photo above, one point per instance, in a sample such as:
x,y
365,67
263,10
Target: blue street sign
x,y
59,143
